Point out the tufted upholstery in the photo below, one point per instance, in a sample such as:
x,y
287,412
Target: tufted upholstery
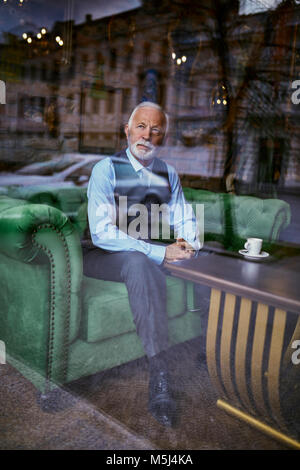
x,y
230,219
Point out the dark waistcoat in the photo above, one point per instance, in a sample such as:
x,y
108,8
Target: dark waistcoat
x,y
129,183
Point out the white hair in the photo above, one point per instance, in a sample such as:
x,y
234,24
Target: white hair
x,y
149,104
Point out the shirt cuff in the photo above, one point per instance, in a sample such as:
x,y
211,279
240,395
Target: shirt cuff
x,y
157,253
196,244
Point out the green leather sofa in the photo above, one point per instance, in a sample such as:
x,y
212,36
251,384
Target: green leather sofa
x,y
59,325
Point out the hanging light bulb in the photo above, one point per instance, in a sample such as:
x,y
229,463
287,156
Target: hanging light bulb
x,y
173,55
183,58
24,36
220,98
178,61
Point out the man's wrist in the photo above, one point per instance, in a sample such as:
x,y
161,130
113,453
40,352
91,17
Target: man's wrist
x,y
157,253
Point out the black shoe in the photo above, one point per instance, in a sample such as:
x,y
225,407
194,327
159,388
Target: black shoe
x,y
161,403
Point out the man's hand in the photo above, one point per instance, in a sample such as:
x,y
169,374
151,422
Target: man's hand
x,y
178,251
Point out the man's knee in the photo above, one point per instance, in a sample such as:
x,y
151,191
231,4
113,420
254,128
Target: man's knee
x,y
138,265
136,261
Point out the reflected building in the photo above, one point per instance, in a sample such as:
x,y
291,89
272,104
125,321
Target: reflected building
x,y
223,75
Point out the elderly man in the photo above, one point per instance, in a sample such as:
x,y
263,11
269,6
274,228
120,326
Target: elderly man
x,y
139,263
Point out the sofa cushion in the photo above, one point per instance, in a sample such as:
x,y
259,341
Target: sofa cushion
x,y
106,311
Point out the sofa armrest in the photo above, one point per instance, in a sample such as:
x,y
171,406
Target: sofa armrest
x,y
34,233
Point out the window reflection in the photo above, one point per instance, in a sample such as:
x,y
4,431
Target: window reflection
x,y
222,70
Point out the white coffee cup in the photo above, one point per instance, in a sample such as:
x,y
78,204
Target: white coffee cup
x,y
253,246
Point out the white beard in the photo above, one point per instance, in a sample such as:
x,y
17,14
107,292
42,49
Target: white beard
x,y
144,155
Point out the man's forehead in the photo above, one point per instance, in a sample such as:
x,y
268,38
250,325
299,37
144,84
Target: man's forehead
x,y
155,116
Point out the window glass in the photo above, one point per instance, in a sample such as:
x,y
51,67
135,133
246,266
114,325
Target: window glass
x,y
225,72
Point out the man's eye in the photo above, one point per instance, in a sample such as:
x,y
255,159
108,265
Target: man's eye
x,y
140,126
156,131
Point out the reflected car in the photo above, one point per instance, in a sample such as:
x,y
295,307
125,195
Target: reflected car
x,y
51,166
74,174
138,191
78,174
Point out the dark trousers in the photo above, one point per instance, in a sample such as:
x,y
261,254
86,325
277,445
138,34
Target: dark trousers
x,y
146,286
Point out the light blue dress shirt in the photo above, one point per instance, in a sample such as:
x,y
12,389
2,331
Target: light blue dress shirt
x,y
102,212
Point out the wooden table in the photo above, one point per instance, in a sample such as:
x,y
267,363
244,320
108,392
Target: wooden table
x,y
254,318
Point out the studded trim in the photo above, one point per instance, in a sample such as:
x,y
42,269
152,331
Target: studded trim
x,y
51,335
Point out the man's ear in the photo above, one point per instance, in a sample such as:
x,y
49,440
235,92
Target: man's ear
x,y
126,130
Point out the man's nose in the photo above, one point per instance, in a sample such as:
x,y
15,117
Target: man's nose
x,y
147,133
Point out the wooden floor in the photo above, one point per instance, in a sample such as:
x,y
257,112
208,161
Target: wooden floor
x,y
109,411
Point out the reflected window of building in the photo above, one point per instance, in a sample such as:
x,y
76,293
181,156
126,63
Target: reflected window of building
x,y
126,100
162,95
128,58
32,108
110,102
113,58
84,61
99,58
33,72
95,105
21,107
44,72
83,103
70,104
55,71
146,53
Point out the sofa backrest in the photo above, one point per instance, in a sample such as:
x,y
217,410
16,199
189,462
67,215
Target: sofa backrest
x,y
230,219
67,199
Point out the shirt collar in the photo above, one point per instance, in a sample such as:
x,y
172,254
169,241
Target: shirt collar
x,y
135,163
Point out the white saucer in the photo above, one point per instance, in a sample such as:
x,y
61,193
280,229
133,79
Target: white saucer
x,y
245,253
